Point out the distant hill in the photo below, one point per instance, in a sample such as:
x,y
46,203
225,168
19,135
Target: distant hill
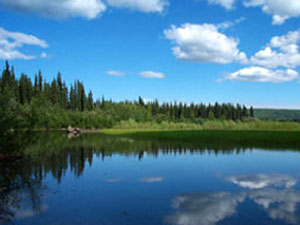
x,y
277,114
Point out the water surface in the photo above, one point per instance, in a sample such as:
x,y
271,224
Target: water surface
x,y
97,179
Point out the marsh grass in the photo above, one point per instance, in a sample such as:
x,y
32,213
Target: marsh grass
x,y
210,125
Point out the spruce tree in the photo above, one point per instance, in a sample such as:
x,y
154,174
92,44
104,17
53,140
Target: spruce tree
x,y
90,101
251,112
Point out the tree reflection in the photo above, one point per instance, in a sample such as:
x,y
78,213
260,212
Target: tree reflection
x,y
35,156
20,184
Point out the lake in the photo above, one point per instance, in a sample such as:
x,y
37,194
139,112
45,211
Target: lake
x,y
107,180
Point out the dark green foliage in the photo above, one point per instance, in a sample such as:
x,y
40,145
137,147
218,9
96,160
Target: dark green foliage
x,y
251,112
43,105
277,114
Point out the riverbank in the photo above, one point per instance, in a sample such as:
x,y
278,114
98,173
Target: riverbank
x,y
131,126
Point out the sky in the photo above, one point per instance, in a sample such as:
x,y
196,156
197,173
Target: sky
x,y
226,51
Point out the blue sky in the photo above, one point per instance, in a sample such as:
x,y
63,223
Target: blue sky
x,y
242,51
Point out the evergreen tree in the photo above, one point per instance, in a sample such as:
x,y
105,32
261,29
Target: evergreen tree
x,y
245,112
36,86
72,98
54,92
90,101
141,101
40,82
23,89
251,112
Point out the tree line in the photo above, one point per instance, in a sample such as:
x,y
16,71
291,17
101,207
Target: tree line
x,y
27,103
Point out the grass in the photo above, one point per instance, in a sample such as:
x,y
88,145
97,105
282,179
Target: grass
x,y
216,133
210,125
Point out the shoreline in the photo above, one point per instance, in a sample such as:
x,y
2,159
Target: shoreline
x,y
116,131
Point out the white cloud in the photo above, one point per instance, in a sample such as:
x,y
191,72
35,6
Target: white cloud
x,y
152,179
140,5
227,24
257,181
260,74
281,10
204,43
88,9
151,74
280,51
10,42
44,55
275,63
227,4
115,73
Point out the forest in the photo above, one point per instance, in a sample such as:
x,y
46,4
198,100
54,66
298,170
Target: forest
x,y
27,103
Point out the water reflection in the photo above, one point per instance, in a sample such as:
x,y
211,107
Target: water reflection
x,y
54,153
152,179
211,208
279,204
21,194
55,157
257,181
203,209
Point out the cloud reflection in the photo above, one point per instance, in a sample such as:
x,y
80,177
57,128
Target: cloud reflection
x,y
212,208
258,181
114,180
279,204
152,179
203,209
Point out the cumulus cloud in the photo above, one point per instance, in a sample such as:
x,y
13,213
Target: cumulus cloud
x,y
11,42
152,179
203,209
260,74
257,181
58,8
274,63
204,43
151,74
140,5
280,51
227,4
88,9
281,10
115,73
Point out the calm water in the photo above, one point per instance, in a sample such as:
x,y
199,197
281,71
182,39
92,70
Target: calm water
x,y
94,179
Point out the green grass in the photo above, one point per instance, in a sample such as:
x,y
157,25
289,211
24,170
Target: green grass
x,y
210,125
